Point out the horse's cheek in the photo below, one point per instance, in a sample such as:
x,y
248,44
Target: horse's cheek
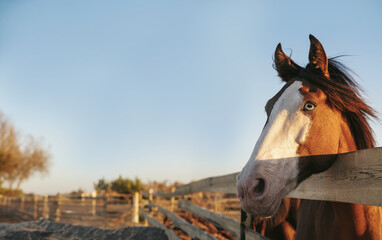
x,y
320,140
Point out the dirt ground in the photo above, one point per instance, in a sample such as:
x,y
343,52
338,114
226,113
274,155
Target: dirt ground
x,y
6,219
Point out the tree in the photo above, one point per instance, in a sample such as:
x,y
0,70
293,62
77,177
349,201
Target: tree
x,y
102,186
34,159
137,185
119,185
19,161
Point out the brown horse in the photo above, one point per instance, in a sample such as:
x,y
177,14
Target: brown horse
x,y
318,114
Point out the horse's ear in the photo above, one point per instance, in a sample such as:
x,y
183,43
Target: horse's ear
x,y
284,66
317,56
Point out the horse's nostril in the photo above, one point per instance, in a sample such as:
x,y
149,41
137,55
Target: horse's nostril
x,y
259,187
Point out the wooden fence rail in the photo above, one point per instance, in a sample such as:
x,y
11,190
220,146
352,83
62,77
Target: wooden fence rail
x,y
171,235
190,229
104,211
219,220
355,177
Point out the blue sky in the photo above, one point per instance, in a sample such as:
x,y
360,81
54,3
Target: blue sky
x,y
163,89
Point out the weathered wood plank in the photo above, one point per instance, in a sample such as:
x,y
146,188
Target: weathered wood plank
x,y
355,177
225,183
219,220
190,229
170,234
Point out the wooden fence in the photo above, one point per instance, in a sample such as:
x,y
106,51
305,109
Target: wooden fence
x,y
355,177
103,211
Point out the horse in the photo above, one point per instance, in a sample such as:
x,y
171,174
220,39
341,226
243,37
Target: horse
x,y
318,114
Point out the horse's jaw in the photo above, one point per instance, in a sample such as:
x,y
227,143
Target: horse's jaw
x,y
263,199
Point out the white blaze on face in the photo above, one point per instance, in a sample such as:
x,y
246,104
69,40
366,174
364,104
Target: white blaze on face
x,y
275,154
286,128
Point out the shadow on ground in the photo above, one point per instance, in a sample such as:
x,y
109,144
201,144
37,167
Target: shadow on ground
x,y
45,229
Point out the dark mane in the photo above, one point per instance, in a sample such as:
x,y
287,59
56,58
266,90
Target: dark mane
x,y
344,95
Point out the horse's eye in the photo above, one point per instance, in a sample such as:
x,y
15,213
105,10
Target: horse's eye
x,y
309,106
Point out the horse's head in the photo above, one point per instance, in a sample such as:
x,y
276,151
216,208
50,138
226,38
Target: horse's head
x,y
314,115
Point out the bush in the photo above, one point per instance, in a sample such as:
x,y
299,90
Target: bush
x,y
119,185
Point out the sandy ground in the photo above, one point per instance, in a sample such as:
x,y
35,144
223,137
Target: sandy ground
x,y
5,219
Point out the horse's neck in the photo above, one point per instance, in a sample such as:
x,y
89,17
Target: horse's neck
x,y
359,221
346,141
364,220
334,220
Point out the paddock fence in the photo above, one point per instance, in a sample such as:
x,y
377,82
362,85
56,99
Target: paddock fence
x,y
204,209
355,177
100,211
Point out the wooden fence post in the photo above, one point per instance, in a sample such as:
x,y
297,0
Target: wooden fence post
x,y
217,203
146,223
83,199
105,205
94,205
151,191
151,194
35,207
201,195
17,202
45,210
172,199
56,208
136,208
22,203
